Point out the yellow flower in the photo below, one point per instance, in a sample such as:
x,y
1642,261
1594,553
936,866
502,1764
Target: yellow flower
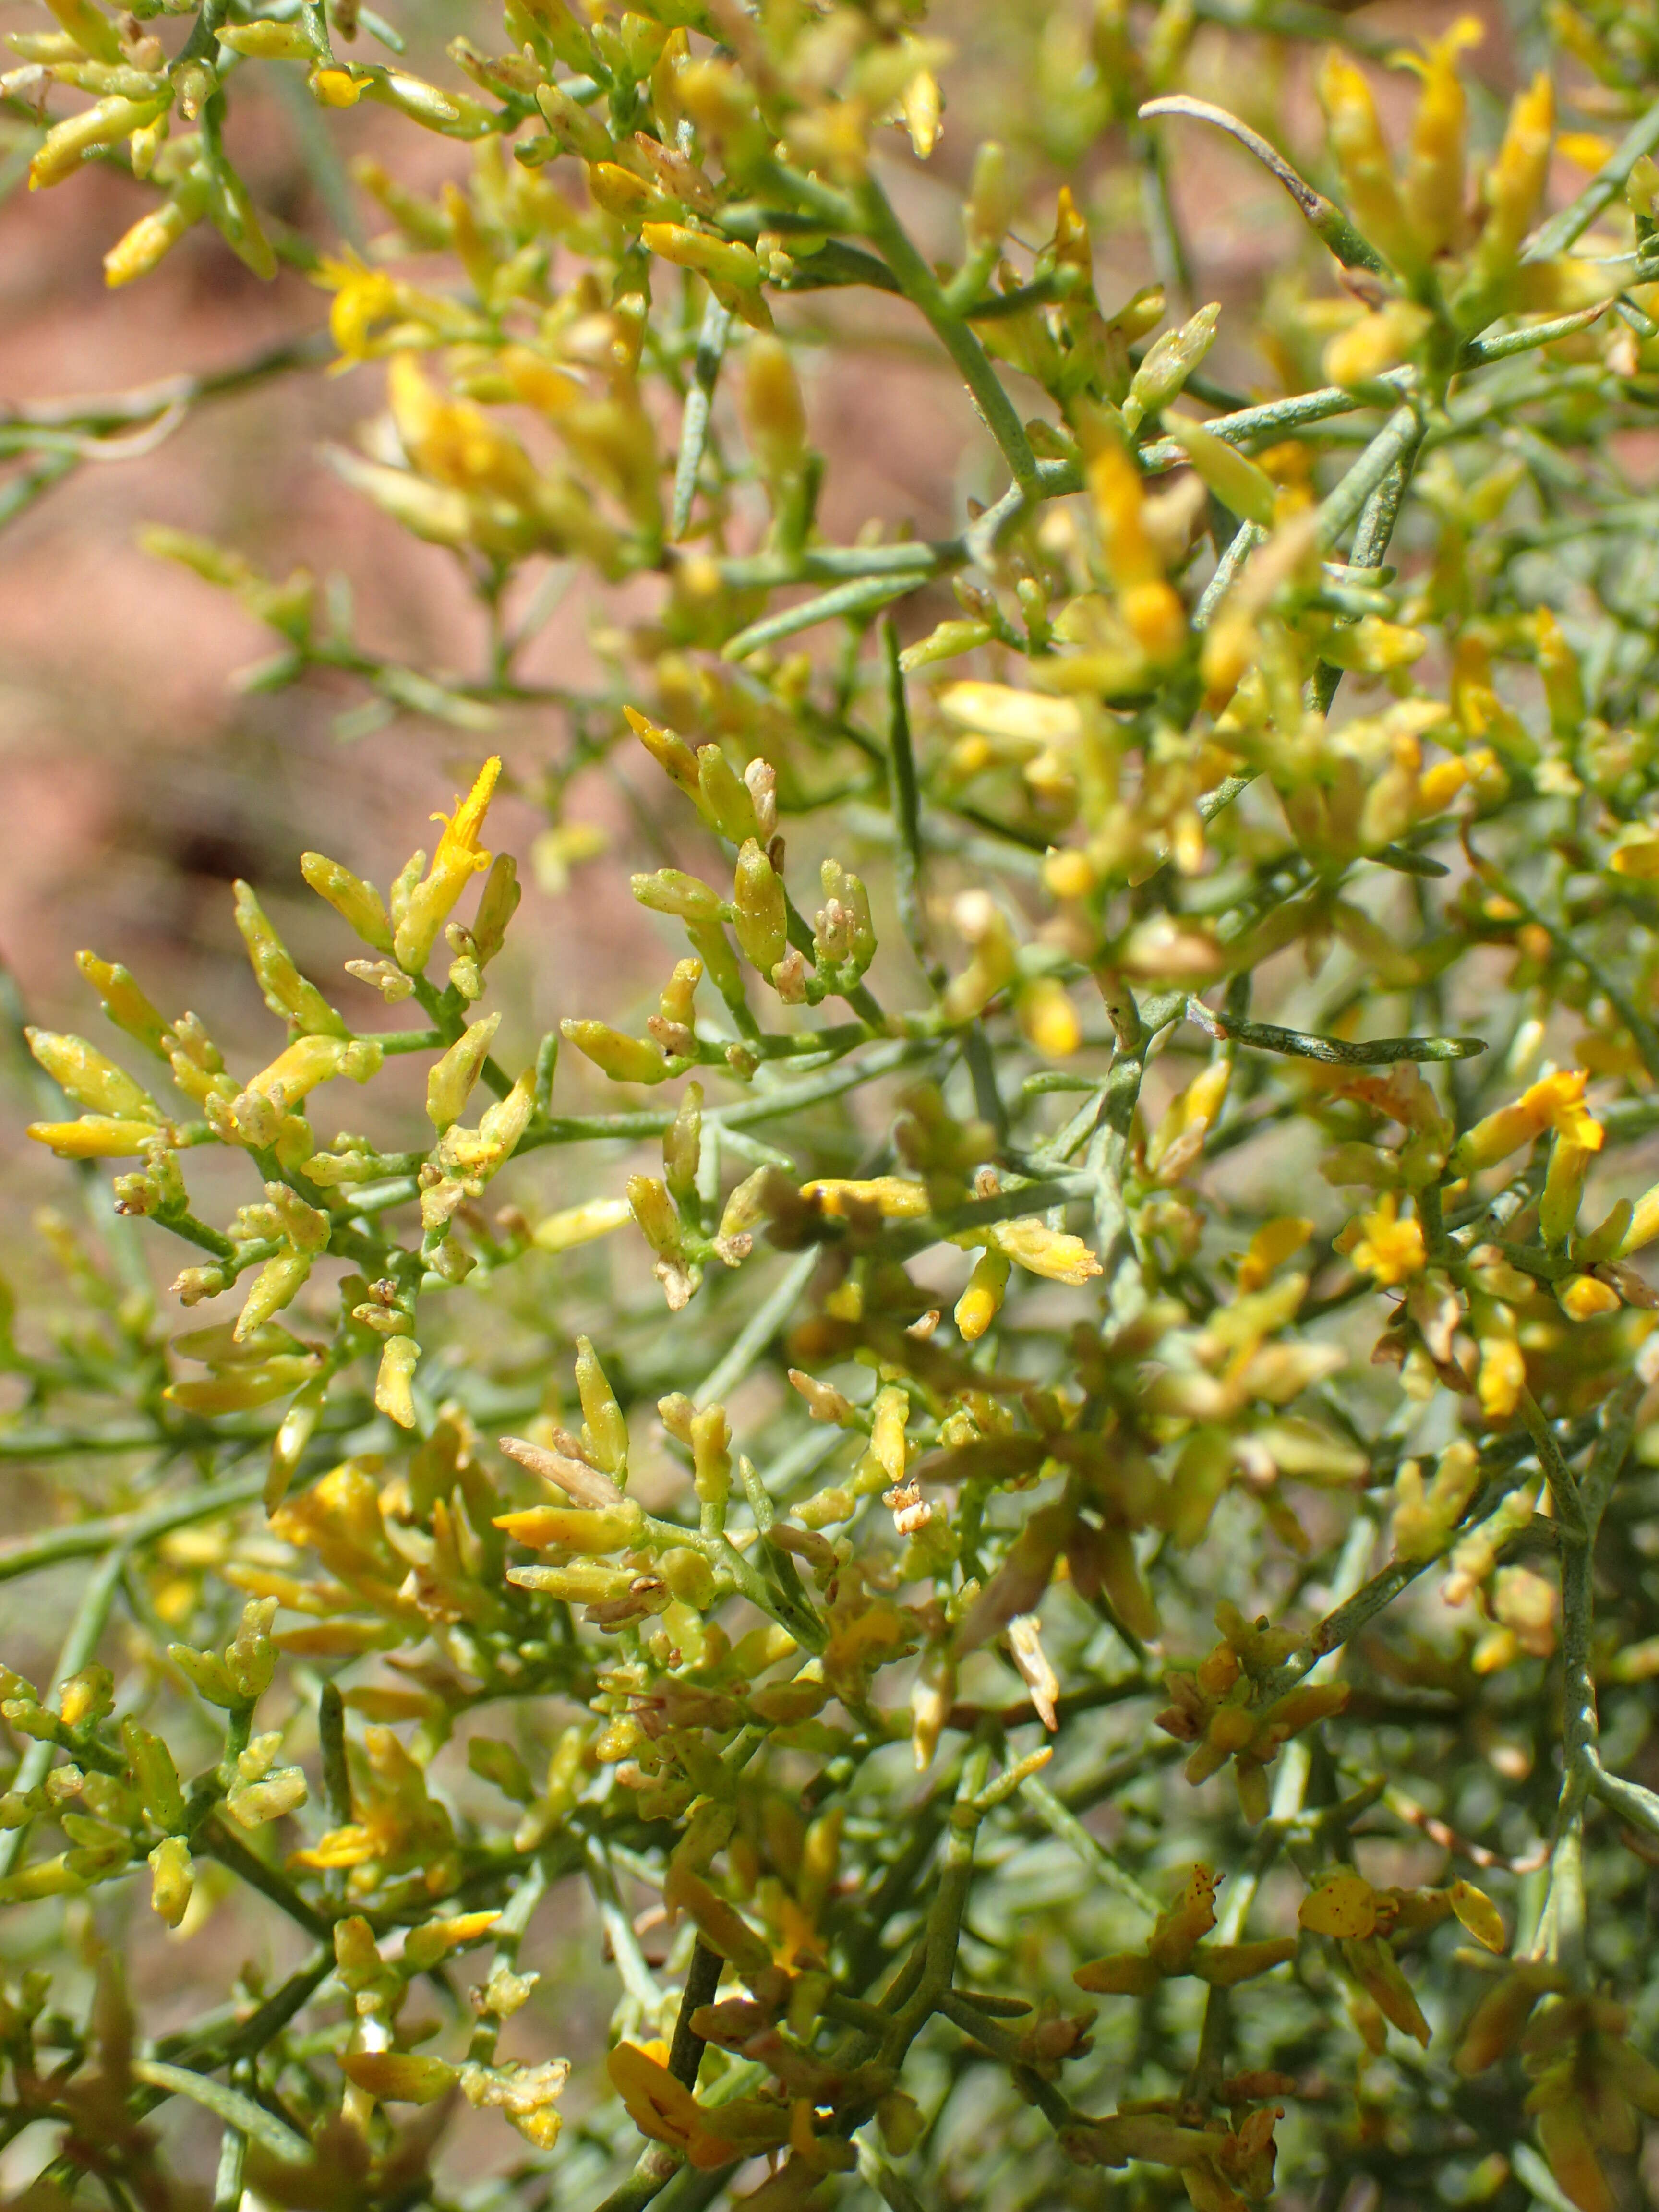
x,y
663,2108
363,297
1389,1248
1554,1102
892,1196
1558,1102
337,87
457,860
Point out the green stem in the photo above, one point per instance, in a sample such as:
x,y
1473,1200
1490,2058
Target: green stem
x,y
758,1330
1322,215
922,289
906,802
79,1648
1291,1781
218,1841
128,1532
1604,187
1061,1822
693,423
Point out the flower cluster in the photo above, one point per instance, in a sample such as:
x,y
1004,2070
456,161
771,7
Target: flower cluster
x,y
1130,1126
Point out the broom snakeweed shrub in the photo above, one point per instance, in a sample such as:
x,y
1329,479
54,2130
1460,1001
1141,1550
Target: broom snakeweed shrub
x,y
1244,1031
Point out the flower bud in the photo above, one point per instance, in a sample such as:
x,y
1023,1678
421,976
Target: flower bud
x,y
155,1776
90,1079
248,1384
1434,191
711,1457
269,41
1241,484
1126,1974
449,1082
147,243
251,1656
723,797
451,112
671,891
992,967
1643,1224
606,1428
392,1393
173,1878
774,414
206,1674
573,1477
826,1507
1585,1298
399,2077
889,1415
727,259
1224,1966
590,1531
990,204
675,1413
286,990
1362,156
576,130
435,1940
87,28
1376,343
1500,2019
982,1300
760,779
824,1401
504,1120
762,918
682,1145
580,1224
278,1282
298,1426
654,1215
892,1196
1170,361
621,193
1048,1020
582,1582
308,1062
1564,1189
1603,1243
254,1804
356,903
124,1003
671,753
623,1059
67,144
789,978
1515,182
94,1137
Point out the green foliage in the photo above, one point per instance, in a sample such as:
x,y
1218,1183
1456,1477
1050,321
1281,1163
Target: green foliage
x,y
1140,1137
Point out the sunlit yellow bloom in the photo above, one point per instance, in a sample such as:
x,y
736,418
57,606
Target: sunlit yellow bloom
x,y
892,1196
337,87
459,858
1389,1248
364,298
1554,1102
